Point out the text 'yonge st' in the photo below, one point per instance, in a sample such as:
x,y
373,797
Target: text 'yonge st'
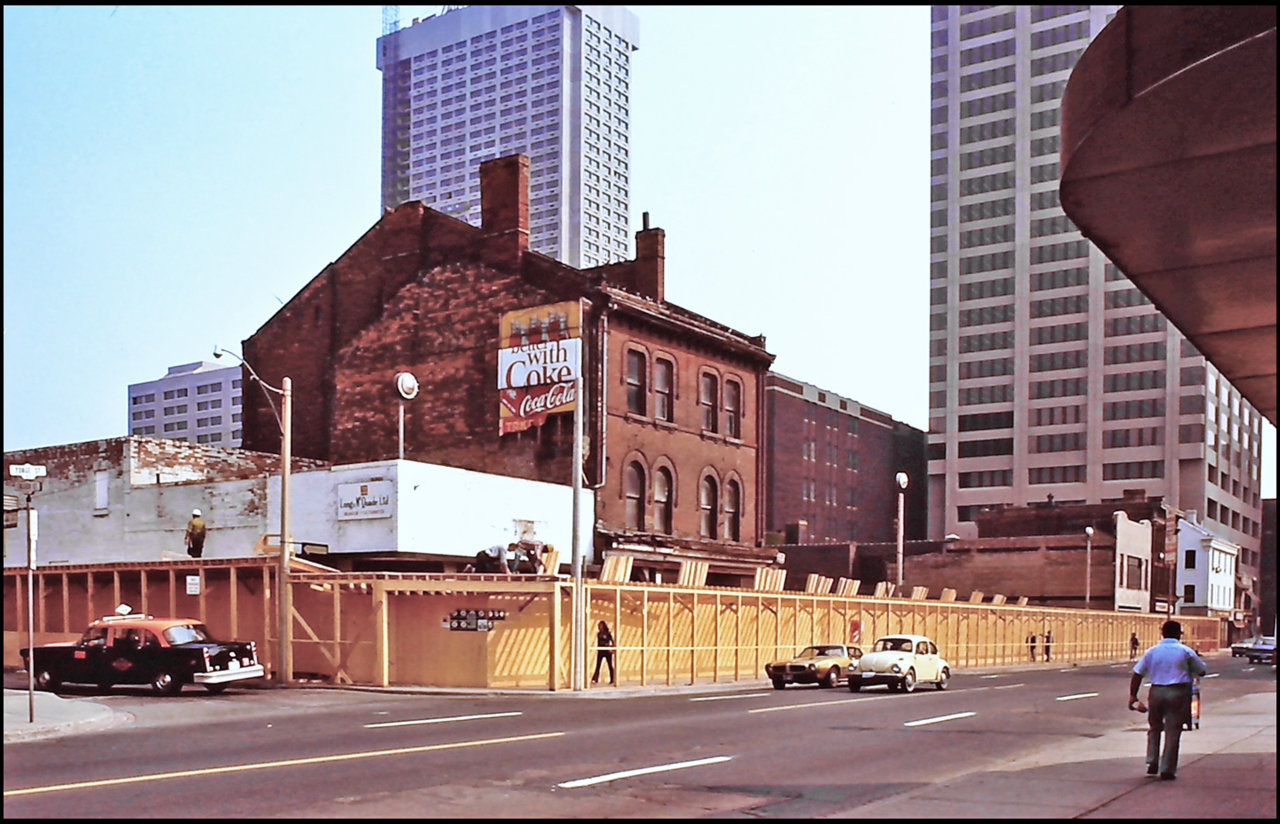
x,y
539,365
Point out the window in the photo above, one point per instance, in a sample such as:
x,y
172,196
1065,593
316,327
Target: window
x,y
709,400
101,488
1188,593
663,383
662,500
1189,561
636,382
732,510
633,491
733,409
708,496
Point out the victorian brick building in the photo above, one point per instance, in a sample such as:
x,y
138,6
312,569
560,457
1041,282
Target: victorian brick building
x,y
674,400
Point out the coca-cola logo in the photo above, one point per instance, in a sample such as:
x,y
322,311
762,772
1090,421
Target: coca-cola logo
x,y
529,406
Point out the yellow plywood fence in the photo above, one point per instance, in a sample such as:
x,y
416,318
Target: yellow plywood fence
x,y
387,628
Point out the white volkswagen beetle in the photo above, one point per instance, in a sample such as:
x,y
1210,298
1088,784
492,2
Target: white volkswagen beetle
x,y
901,662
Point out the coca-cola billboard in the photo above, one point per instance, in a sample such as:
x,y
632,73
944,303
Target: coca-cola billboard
x,y
538,364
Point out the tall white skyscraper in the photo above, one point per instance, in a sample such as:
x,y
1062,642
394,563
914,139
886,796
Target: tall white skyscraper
x,y
1050,374
551,82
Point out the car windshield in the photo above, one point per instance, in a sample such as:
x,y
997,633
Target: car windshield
x,y
820,652
187,634
893,645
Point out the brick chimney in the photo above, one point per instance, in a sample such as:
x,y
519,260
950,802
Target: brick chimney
x,y
651,257
504,204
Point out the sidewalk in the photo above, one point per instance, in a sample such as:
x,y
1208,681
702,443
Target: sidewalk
x,y
1227,767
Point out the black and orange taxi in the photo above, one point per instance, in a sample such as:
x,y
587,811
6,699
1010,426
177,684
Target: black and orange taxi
x,y
166,653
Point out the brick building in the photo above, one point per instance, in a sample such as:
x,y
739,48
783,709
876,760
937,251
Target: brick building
x,y
673,399
831,467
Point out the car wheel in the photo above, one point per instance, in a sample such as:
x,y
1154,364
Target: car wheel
x,y
944,678
46,680
855,683
779,684
166,683
215,689
908,682
832,679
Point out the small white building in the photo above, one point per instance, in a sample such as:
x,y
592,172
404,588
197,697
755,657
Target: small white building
x,y
368,514
129,499
1206,569
1133,563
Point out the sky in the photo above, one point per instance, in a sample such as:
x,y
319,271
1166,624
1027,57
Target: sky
x,y
173,175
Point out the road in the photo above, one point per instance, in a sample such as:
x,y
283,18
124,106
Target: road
x,y
802,752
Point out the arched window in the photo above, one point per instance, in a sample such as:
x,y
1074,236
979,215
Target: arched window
x,y
636,390
664,390
708,500
733,409
662,500
633,490
732,510
709,401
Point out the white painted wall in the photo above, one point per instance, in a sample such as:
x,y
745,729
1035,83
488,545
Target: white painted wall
x,y
437,510
1133,540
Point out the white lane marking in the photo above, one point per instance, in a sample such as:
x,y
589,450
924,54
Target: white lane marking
x,y
439,720
730,697
1008,686
938,719
266,765
600,779
1212,675
1077,695
990,676
821,704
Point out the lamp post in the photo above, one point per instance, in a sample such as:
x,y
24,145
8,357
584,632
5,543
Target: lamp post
x,y
284,420
901,478
407,386
1088,566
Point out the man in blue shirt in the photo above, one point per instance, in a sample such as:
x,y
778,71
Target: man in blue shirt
x,y
1172,667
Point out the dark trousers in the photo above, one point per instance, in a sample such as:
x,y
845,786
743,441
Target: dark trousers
x,y
603,656
195,550
1167,708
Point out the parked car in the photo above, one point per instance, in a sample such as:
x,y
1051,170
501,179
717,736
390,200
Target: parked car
x,y
901,662
1239,648
1262,652
821,664
139,649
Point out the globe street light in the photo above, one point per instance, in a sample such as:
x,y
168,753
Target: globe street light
x,y
285,421
901,478
1088,565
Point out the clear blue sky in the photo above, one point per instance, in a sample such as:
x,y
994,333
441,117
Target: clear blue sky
x,y
173,174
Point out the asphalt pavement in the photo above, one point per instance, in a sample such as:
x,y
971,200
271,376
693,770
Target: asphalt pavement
x,y
1227,767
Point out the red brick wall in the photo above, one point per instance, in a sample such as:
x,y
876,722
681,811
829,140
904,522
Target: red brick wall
x,y
681,445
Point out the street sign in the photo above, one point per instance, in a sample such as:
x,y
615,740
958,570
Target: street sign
x,y
27,471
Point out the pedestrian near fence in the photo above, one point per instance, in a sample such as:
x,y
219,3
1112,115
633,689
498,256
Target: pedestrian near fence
x,y
604,653
1172,668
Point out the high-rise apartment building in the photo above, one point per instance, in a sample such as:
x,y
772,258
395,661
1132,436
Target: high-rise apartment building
x,y
1051,376
197,402
552,82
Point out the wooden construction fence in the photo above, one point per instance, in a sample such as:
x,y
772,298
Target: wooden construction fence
x,y
395,628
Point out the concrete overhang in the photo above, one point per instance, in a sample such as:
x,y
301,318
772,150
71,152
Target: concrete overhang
x,y
1168,157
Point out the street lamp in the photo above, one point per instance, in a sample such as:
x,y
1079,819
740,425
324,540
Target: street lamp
x,y
407,386
1088,566
285,421
901,478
